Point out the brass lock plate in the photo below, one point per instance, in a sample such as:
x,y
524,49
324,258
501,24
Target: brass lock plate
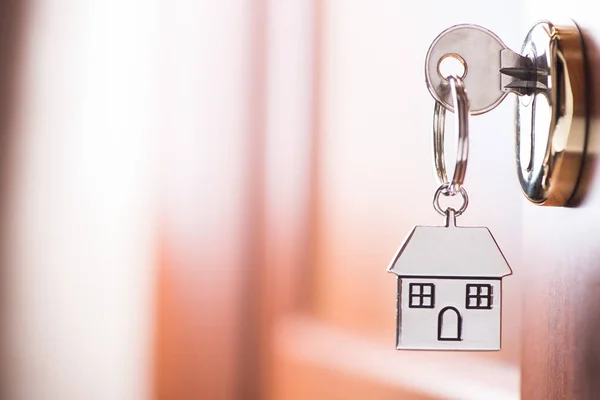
x,y
551,124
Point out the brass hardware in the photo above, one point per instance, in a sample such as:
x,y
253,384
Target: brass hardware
x,y
552,120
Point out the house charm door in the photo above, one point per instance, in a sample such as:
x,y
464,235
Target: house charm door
x,y
449,288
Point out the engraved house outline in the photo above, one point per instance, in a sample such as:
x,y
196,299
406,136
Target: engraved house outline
x,y
449,288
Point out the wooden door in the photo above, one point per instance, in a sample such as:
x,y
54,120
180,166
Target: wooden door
x,y
561,268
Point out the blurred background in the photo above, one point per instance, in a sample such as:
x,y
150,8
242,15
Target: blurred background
x,y
200,199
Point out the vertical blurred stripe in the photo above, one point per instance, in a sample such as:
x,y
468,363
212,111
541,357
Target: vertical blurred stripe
x,y
79,221
210,142
13,17
290,173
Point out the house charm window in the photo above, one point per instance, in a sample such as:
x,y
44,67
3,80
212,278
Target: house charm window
x,y
422,295
479,296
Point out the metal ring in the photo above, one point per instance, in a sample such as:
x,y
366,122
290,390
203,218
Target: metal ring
x,y
461,122
445,190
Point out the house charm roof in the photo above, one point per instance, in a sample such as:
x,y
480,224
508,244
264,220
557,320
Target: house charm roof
x,y
450,251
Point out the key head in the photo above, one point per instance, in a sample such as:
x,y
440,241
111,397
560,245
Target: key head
x,y
478,50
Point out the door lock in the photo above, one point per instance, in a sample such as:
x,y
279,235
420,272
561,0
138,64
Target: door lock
x,y
550,81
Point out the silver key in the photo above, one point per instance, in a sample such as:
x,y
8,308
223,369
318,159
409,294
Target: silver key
x,y
491,69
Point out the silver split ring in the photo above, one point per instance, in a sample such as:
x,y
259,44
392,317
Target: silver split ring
x,y
461,122
445,190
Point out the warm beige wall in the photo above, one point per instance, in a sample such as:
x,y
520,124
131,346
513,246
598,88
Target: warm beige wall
x,y
101,80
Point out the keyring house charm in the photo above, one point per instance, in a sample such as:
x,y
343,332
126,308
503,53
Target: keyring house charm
x,y
449,277
449,288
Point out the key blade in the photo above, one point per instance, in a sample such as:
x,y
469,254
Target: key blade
x,y
521,87
527,74
519,74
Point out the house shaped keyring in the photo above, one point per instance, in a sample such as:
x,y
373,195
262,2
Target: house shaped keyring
x,y
449,288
